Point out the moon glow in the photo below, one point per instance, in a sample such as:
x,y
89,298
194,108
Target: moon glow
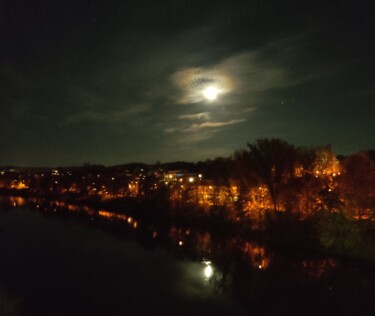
x,y
210,93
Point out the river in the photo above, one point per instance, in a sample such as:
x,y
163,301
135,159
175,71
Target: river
x,y
58,259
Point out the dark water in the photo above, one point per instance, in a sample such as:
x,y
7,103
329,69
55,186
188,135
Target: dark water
x,y
57,259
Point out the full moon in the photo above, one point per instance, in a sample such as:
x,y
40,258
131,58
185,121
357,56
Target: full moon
x,y
210,93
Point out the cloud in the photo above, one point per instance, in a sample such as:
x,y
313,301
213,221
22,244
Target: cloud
x,y
206,125
110,116
197,116
196,127
170,129
247,72
86,116
192,82
248,110
252,73
196,137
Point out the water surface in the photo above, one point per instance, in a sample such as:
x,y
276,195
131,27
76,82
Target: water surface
x,y
57,259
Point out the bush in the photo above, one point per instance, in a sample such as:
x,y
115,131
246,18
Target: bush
x,y
335,231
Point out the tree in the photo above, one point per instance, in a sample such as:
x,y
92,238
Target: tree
x,y
273,161
306,159
327,171
358,184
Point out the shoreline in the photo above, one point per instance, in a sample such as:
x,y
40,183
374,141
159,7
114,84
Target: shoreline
x,y
151,213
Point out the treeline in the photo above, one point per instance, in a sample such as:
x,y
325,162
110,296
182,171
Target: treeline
x,y
305,180
277,176
288,193
307,194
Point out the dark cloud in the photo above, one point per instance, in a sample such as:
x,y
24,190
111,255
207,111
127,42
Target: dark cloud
x,y
118,81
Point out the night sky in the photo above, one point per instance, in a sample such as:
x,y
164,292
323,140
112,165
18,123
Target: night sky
x,y
112,82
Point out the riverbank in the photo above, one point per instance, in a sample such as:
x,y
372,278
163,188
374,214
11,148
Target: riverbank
x,y
322,233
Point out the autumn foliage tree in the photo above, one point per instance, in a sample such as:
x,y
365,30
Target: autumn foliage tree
x,y
273,161
357,185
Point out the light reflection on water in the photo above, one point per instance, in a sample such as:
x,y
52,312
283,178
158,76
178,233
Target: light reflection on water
x,y
115,260
208,269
